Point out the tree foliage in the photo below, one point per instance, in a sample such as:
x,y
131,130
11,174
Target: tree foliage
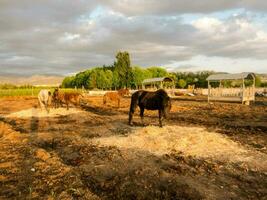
x,y
182,83
198,79
258,81
109,77
121,74
123,68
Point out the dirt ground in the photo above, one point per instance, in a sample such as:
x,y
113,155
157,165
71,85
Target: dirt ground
x,y
204,151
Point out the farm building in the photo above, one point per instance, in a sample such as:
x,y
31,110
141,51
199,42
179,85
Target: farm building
x,y
243,94
160,82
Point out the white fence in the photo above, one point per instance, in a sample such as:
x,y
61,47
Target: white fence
x,y
232,94
197,91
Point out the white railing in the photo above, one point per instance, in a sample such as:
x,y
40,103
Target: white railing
x,y
241,94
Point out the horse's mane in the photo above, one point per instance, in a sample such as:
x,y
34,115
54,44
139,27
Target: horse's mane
x,y
161,92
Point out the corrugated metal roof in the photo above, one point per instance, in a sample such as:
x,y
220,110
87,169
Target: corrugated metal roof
x,y
159,79
218,77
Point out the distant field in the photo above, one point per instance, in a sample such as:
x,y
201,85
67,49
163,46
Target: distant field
x,y
26,91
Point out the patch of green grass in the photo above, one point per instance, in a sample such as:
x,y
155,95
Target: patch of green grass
x,y
28,91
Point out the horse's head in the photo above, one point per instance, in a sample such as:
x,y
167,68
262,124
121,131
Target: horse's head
x,y
126,92
123,92
55,94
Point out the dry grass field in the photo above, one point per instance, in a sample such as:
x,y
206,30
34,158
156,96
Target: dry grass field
x,y
216,151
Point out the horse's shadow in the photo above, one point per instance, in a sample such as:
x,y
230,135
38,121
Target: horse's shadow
x,y
145,124
98,110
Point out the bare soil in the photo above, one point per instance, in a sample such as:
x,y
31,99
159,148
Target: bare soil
x,y
204,151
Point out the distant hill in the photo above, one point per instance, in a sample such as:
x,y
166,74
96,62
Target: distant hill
x,y
36,80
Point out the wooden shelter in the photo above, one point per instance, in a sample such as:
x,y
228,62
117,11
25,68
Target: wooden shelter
x,y
158,82
243,94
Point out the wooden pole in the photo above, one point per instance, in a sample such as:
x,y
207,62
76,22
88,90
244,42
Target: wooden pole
x,y
243,90
253,88
208,91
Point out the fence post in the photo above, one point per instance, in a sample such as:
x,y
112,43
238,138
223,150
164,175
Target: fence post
x,y
208,91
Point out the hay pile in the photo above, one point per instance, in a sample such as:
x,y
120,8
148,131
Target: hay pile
x,y
191,141
37,112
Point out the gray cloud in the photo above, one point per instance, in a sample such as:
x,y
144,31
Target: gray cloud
x,y
170,7
55,36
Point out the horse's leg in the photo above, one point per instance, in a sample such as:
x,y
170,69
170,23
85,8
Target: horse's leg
x,y
39,103
119,100
104,100
46,107
42,105
142,110
61,103
67,103
161,113
56,104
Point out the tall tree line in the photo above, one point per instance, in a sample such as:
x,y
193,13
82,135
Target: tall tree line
x,y
122,75
111,78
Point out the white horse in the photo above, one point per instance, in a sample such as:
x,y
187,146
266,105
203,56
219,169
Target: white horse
x,y
45,98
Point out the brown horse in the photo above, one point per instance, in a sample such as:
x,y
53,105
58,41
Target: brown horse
x,y
60,98
115,96
158,100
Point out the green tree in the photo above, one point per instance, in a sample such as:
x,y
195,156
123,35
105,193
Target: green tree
x,y
101,80
80,79
109,78
91,81
157,72
139,75
198,79
68,82
115,80
123,68
182,83
258,81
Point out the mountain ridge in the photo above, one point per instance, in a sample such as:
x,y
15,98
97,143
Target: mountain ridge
x,y
34,80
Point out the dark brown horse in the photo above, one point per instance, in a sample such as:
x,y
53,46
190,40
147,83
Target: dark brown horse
x,y
55,98
158,100
115,96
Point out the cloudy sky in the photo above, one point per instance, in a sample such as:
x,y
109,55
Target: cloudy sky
x,y
66,36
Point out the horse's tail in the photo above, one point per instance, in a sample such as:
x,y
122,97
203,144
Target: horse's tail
x,y
134,103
